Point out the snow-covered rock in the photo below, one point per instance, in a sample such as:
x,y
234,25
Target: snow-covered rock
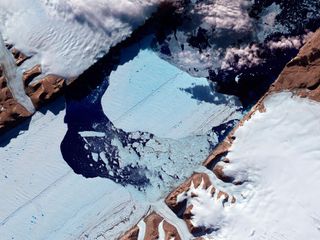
x,y
269,163
152,227
276,155
20,95
200,204
275,158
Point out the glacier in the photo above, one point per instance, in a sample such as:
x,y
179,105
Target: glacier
x,y
149,94
143,122
46,199
40,180
13,76
110,154
275,156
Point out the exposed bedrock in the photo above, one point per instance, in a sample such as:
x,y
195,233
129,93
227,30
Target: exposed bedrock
x,y
10,110
155,227
187,199
32,94
43,90
300,76
13,76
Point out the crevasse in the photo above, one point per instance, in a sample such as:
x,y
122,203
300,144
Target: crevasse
x,y
14,77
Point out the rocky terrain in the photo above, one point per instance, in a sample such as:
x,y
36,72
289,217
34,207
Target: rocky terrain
x,y
198,41
49,58
155,228
40,91
124,146
190,200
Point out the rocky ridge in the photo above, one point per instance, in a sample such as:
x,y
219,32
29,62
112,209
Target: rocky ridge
x,y
40,91
45,89
155,227
301,76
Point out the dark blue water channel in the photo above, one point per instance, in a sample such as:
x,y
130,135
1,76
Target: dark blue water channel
x,y
84,112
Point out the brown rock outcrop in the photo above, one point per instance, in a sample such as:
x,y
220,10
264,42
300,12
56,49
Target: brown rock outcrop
x,y
152,222
171,199
40,91
19,56
45,90
30,74
11,112
183,210
302,74
132,234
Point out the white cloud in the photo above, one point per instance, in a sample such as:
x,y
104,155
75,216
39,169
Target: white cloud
x,y
248,56
241,57
226,15
66,36
291,42
107,15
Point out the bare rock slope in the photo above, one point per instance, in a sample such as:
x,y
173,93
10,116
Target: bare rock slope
x,y
301,79
40,91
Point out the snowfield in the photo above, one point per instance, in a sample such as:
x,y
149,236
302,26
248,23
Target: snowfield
x,y
67,37
276,153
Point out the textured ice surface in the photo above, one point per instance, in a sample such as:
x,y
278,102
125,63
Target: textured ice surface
x,y
66,37
148,124
47,200
136,167
210,29
149,94
276,154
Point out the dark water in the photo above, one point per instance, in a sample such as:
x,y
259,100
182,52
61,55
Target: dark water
x,y
84,113
255,81
84,110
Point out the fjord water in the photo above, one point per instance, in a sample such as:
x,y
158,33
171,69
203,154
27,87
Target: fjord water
x,y
146,124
